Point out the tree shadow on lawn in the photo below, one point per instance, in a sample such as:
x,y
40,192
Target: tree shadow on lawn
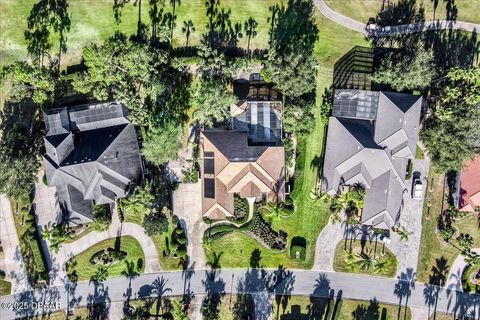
x,y
436,279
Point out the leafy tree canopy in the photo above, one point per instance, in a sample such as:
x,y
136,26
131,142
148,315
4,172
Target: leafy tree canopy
x,y
155,223
125,71
21,80
20,148
213,103
293,35
162,143
452,132
406,72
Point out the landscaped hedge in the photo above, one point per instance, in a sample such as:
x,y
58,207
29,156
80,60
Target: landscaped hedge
x,y
261,229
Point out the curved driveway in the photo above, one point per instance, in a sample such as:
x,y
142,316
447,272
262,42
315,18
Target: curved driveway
x,y
401,291
359,26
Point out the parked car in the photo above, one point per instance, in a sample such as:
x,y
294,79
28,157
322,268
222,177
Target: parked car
x,y
417,191
383,238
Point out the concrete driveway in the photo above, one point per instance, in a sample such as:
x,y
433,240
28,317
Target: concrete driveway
x,y
187,205
411,219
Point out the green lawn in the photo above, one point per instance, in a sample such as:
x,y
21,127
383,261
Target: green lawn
x,y
93,20
84,269
376,250
30,248
434,252
301,307
419,154
5,287
362,10
167,263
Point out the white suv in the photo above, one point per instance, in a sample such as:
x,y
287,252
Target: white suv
x,y
417,191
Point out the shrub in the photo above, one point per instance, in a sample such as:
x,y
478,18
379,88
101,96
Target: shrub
x,y
181,239
262,229
108,256
101,217
155,223
240,207
178,231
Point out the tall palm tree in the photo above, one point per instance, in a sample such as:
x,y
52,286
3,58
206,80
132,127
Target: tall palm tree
x,y
139,203
100,275
404,233
214,263
274,210
251,31
367,261
188,28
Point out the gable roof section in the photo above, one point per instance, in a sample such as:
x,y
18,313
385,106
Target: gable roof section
x,y
239,168
99,162
373,151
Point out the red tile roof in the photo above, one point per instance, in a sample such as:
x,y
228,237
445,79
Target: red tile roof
x,y
470,185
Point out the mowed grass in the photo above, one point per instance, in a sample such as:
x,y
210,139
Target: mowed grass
x,y
375,248
362,10
301,307
5,287
310,217
85,269
167,263
93,21
433,249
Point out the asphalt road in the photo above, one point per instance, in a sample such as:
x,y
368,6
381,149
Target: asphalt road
x,y
198,282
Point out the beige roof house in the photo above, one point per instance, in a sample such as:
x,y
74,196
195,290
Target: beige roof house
x,y
230,166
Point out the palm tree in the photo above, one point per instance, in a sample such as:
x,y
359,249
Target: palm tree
x,y
56,235
472,258
465,241
357,194
214,263
367,261
188,28
404,233
274,210
251,31
350,261
100,275
139,203
381,266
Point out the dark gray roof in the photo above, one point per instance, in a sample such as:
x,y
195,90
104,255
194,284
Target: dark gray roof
x,y
372,150
92,161
234,145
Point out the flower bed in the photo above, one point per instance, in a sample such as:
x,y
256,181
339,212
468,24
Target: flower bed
x,y
108,256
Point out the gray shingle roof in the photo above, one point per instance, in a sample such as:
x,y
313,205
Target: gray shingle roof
x,y
96,159
372,150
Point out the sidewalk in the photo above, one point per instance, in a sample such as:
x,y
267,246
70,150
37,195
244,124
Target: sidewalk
x,y
15,268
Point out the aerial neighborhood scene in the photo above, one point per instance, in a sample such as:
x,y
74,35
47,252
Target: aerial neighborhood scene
x,y
240,159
